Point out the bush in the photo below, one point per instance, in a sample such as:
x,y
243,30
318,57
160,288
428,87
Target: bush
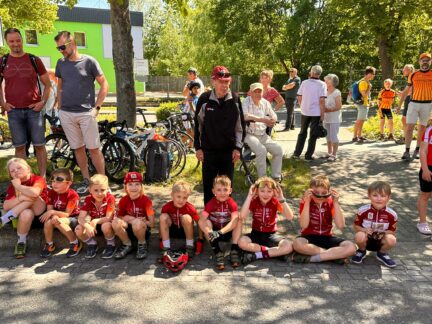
x,y
371,128
165,109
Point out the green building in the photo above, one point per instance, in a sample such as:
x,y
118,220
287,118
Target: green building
x,y
92,32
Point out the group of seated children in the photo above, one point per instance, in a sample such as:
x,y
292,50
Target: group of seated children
x,y
28,196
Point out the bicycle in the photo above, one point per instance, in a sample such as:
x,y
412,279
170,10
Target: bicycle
x,y
119,157
138,140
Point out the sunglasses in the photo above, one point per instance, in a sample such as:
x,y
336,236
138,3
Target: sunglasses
x,y
63,47
223,74
269,184
58,179
321,196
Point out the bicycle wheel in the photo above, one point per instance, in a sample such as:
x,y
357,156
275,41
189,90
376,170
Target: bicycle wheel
x,y
119,158
59,153
188,145
5,136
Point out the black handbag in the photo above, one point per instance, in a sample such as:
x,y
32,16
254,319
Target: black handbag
x,y
319,131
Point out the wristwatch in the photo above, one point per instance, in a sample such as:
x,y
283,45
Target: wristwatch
x,y
98,108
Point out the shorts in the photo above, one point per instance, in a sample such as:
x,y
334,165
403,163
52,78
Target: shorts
x,y
425,186
265,239
418,110
81,129
26,125
373,244
406,103
72,222
332,132
362,112
323,241
177,232
383,113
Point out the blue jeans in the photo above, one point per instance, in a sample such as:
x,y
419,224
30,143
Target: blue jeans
x,y
23,121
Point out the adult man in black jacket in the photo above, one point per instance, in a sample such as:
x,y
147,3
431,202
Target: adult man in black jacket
x,y
219,130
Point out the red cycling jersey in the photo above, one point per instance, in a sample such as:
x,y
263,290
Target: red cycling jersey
x,y
378,220
176,213
219,213
320,218
64,201
108,205
140,207
264,217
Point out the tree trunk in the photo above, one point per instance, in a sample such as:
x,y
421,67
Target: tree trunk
x,y
123,61
386,61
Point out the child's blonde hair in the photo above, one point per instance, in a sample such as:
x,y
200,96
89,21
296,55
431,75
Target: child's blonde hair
x,y
99,179
320,181
19,161
63,171
268,73
222,180
388,81
381,187
181,186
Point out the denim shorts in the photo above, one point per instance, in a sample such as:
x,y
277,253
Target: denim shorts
x,y
26,125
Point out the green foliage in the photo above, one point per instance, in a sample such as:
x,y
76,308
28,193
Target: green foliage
x,y
165,109
371,128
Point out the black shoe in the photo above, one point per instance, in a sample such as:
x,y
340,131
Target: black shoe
x,y
108,252
91,251
48,250
284,130
292,127
310,158
142,251
248,257
162,253
122,251
190,250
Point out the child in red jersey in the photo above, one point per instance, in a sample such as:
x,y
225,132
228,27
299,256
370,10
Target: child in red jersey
x,y
62,212
97,214
219,221
318,209
265,199
386,98
135,215
375,225
26,198
425,178
177,218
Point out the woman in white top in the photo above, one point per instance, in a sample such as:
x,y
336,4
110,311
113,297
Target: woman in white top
x,y
332,115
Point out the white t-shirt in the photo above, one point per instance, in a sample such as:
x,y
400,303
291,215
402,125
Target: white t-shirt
x,y
311,91
263,110
330,102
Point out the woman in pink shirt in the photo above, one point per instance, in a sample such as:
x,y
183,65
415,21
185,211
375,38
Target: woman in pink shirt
x,y
270,93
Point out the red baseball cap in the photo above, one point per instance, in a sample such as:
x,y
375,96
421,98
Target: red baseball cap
x,y
423,55
132,177
221,73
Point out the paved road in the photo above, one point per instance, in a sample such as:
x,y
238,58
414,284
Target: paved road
x,y
269,291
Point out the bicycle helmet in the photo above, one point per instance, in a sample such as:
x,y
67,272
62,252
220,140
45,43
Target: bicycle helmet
x,y
175,260
193,84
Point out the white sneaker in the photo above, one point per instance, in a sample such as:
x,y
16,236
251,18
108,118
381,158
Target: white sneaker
x,y
424,228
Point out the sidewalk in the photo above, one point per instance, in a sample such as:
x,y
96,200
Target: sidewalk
x,y
262,291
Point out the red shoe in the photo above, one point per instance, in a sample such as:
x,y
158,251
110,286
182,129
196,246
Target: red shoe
x,y
199,245
161,247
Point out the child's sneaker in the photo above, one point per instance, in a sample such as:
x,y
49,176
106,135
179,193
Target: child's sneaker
x,y
385,259
359,256
48,250
108,252
20,250
248,257
199,245
190,250
74,250
91,251
235,258
142,251
381,137
390,137
122,251
220,260
300,258
424,228
416,154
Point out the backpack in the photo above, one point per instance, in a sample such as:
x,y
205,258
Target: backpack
x,y
158,164
355,92
33,63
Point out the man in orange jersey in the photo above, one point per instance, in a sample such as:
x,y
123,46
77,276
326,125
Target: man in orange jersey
x,y
420,82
